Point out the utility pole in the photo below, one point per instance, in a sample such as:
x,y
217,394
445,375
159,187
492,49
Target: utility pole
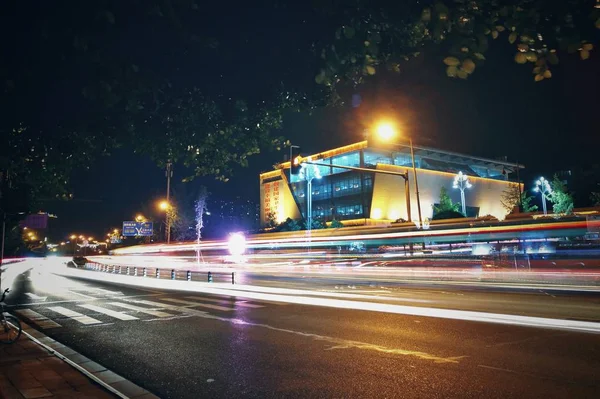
x,y
169,174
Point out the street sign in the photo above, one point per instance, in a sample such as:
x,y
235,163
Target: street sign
x,y
136,229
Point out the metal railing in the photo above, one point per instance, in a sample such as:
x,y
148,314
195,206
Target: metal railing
x,y
159,273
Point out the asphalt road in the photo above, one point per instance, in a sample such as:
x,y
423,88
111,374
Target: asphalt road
x,y
211,346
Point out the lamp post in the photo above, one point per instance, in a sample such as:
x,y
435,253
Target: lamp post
x,y
386,131
309,172
461,181
543,186
166,206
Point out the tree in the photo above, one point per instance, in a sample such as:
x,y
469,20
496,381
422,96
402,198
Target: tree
x,y
377,35
446,204
526,201
513,197
186,224
561,199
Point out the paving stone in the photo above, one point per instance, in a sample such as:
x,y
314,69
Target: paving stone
x,y
35,393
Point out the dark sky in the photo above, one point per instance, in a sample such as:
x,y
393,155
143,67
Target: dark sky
x,y
498,111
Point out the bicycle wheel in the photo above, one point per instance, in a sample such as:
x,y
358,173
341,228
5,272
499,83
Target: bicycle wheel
x,y
10,329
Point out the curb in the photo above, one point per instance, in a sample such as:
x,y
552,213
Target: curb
x,y
107,379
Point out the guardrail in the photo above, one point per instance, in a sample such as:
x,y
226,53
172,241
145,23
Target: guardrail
x,y
156,272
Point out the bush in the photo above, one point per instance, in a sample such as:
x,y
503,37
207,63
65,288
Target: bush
x,y
448,214
336,224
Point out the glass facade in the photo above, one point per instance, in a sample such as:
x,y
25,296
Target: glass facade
x,y
347,194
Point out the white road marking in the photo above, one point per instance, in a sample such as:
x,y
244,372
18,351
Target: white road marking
x,y
107,292
129,306
80,294
37,318
230,302
204,305
108,312
83,319
35,297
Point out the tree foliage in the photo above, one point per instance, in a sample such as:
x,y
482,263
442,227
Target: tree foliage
x,y
513,197
562,200
445,203
595,198
379,35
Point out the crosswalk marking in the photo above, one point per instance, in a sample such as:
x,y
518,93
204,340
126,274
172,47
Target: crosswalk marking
x,y
108,312
37,318
243,304
152,303
156,313
204,305
83,319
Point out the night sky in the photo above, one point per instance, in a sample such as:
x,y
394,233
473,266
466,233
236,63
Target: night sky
x,y
498,111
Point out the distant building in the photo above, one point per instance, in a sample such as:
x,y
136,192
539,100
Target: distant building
x,y
225,216
363,197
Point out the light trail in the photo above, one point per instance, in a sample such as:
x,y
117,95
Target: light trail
x,y
325,300
299,240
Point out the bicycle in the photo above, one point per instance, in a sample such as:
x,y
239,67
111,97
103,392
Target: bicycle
x,y
10,326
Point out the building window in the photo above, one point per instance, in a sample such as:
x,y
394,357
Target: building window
x,y
372,158
402,159
350,211
348,186
350,159
322,191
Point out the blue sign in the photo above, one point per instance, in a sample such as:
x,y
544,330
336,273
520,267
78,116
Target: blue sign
x,y
136,229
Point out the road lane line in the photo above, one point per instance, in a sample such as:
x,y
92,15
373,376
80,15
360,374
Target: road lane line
x,y
228,301
108,312
37,318
204,305
129,306
80,294
81,318
36,297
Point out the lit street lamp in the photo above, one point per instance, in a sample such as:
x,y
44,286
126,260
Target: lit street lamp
x,y
166,206
543,186
386,131
461,181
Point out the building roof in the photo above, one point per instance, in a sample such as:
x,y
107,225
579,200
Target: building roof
x,y
435,159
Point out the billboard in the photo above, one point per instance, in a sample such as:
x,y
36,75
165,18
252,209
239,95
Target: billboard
x,y
137,229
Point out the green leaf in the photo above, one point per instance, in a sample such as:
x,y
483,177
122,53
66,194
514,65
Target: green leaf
x,y
370,69
451,71
451,61
479,56
512,37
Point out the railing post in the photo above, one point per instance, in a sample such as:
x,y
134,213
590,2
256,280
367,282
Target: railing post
x,y
157,272
135,271
119,269
210,278
232,277
189,275
128,270
172,274
145,272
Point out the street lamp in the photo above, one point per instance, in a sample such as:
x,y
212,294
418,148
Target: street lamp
x,y
386,131
461,181
166,206
543,186
309,172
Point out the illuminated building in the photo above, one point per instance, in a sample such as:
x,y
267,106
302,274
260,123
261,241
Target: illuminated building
x,y
365,197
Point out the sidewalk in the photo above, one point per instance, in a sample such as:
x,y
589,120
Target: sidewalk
x,y
27,370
